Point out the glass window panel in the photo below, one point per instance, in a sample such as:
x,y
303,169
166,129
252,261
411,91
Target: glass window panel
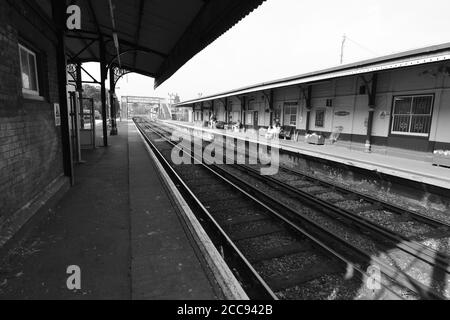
x,y
402,105
25,69
415,121
320,118
32,64
293,120
420,124
401,123
290,113
422,105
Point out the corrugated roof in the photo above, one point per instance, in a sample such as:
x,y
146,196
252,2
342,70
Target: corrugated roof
x,y
155,37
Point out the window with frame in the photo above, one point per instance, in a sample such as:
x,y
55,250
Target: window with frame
x,y
320,118
29,72
411,115
249,118
290,113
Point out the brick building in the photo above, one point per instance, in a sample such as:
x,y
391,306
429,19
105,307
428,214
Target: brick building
x,y
30,142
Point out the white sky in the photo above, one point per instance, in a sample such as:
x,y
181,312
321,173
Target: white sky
x,y
289,37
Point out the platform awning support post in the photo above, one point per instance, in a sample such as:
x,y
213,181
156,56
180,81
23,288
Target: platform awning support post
x,y
372,92
227,114
308,100
271,107
201,108
79,85
112,89
59,14
103,72
243,103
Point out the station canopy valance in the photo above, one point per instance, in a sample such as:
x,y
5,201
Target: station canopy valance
x,y
154,37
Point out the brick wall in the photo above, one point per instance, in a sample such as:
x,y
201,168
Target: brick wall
x,y
30,144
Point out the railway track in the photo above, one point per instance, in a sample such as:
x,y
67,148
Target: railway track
x,y
289,252
315,192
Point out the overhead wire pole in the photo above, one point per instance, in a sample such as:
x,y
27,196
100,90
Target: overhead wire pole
x,y
344,38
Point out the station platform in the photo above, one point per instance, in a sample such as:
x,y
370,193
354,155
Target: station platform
x,y
415,170
119,224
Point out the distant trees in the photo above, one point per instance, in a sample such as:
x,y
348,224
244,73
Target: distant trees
x,y
93,92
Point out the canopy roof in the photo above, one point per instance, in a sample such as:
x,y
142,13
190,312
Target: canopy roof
x,y
155,37
405,59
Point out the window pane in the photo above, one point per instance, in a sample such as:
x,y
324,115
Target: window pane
x,y
402,105
320,118
422,105
420,124
401,123
32,63
249,118
25,69
293,120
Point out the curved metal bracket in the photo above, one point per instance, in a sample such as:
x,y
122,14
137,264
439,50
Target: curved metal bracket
x,y
72,70
119,73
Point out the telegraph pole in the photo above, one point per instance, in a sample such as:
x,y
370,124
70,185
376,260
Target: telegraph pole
x,y
344,38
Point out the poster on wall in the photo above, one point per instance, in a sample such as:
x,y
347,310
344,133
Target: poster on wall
x,y
57,114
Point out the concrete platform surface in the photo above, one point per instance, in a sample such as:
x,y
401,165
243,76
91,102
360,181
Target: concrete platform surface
x,y
118,225
420,171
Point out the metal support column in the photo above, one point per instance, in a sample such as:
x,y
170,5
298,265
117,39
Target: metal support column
x,y
372,98
77,113
59,14
243,103
112,89
227,113
103,71
308,108
79,85
271,107
201,108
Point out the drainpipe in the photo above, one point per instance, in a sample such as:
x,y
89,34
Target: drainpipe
x,y
372,96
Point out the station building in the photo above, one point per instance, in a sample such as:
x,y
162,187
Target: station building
x,y
397,105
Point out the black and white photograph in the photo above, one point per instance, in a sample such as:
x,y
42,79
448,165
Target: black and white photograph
x,y
225,158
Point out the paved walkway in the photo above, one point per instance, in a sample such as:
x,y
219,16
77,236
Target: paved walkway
x,y
118,225
415,170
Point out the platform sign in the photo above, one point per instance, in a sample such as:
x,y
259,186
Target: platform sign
x,y
57,112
